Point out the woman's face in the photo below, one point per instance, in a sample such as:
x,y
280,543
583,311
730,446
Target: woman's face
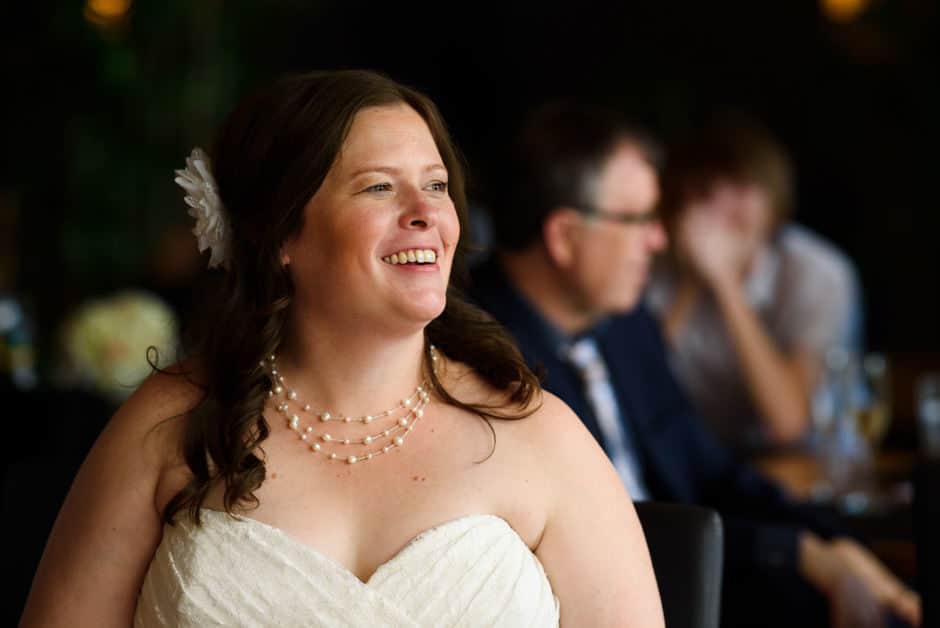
x,y
383,201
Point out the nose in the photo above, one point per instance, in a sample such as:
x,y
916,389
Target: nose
x,y
419,212
656,237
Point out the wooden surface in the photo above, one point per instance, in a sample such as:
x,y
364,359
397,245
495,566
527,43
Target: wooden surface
x,y
799,472
886,525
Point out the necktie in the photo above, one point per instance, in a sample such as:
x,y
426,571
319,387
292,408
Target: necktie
x,y
586,357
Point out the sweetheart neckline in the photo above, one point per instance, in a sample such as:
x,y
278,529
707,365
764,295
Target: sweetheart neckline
x,y
382,566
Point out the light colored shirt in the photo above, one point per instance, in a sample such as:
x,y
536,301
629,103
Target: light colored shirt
x,y
804,291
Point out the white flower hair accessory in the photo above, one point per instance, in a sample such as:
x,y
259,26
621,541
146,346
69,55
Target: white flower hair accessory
x,y
212,229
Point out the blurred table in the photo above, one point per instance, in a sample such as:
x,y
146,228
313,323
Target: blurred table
x,y
881,516
799,471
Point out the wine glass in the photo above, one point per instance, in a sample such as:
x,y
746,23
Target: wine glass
x,y
872,408
927,400
850,415
837,442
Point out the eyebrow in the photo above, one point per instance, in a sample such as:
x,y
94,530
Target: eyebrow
x,y
394,170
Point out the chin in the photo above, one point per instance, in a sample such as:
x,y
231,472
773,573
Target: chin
x,y
424,310
623,305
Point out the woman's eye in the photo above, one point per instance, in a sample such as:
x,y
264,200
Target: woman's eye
x,y
438,186
379,187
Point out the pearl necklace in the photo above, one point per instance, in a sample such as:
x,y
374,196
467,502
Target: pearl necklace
x,y
411,409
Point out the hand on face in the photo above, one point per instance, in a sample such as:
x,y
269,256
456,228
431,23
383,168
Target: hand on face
x,y
710,245
720,233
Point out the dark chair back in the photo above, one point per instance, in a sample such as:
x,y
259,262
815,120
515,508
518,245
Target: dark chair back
x,y
686,545
926,525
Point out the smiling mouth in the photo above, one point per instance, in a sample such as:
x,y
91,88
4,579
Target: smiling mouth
x,y
411,256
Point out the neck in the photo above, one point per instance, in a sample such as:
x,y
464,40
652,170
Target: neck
x,y
335,369
545,286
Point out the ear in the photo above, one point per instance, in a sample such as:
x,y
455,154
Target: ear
x,y
285,257
561,233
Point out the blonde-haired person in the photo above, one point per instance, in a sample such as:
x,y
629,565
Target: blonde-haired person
x,y
750,301
350,444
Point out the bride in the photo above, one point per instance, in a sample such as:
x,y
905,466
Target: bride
x,y
349,443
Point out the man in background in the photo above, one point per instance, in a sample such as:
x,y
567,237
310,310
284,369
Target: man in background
x,y
575,228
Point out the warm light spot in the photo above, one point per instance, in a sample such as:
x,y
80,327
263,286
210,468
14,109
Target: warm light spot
x,y
843,10
106,11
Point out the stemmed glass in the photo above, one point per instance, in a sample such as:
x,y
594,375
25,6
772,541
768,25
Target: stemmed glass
x,y
927,400
873,405
850,417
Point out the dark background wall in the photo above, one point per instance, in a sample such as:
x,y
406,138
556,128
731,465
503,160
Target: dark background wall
x,y
855,103
98,111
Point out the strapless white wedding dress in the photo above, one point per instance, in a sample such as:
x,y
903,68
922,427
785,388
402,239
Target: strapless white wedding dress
x,y
472,571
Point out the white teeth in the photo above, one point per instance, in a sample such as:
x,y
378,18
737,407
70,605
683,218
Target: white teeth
x,y
412,256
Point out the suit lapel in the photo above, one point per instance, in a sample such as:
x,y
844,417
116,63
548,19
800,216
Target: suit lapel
x,y
534,337
643,392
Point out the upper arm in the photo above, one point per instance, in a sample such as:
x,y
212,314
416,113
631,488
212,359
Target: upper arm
x,y
805,365
593,547
108,527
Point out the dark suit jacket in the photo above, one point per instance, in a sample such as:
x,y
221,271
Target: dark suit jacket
x,y
680,460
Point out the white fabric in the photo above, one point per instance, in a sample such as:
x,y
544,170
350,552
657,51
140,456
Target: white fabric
x,y
803,289
586,357
472,571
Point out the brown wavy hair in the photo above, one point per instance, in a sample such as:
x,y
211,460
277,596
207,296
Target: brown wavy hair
x,y
733,147
270,156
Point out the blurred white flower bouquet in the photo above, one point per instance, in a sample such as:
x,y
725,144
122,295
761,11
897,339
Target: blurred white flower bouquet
x,y
106,340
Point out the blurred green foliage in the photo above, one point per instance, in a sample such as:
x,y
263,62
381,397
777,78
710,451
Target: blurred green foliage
x,y
138,92
160,79
100,114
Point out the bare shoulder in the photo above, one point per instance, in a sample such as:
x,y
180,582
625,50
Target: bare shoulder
x,y
555,414
150,422
174,390
559,435
465,384
162,397
546,422
604,578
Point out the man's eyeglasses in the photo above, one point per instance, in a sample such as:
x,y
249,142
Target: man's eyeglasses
x,y
644,218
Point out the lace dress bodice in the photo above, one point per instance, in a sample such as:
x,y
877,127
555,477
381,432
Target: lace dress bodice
x,y
472,571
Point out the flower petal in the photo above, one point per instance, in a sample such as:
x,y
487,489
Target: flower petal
x,y
205,207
